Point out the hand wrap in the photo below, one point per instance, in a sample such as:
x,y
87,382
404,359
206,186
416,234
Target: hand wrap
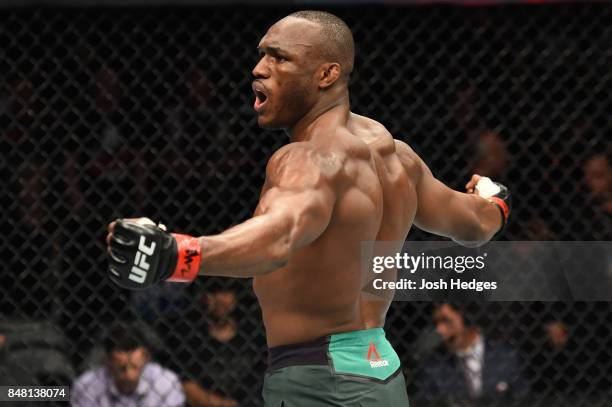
x,y
497,194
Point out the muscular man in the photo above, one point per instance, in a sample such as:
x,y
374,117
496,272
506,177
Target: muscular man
x,y
342,180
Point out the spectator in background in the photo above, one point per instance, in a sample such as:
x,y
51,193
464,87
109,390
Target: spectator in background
x,y
219,306
598,178
556,369
167,309
557,335
595,222
129,377
225,368
491,156
468,366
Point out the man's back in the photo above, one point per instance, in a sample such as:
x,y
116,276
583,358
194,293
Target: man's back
x,y
318,290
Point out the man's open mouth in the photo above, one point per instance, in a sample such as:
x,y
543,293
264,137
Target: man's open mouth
x,y
260,97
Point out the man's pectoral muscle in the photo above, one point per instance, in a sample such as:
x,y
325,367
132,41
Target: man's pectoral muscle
x,y
294,209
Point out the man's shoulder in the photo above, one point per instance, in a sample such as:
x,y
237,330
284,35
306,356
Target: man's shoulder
x,y
371,125
90,379
378,134
298,149
404,150
499,350
304,158
155,372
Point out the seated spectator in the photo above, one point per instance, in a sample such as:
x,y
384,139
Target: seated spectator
x,y
167,308
468,366
570,367
557,336
129,377
598,178
491,156
225,368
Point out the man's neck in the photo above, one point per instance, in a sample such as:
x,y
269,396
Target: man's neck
x,y
472,337
328,112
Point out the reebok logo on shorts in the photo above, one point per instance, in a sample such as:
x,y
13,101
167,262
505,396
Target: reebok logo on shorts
x,y
374,357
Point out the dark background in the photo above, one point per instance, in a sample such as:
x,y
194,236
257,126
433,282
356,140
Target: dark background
x,y
123,112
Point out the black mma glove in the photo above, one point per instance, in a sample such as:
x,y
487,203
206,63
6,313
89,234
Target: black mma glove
x,y
141,254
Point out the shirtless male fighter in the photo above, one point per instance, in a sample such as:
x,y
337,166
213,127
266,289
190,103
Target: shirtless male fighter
x,y
341,180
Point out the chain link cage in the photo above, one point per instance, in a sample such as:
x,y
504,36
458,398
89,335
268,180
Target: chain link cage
x,y
146,111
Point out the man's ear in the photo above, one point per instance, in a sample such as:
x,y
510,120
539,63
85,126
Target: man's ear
x,y
146,353
329,73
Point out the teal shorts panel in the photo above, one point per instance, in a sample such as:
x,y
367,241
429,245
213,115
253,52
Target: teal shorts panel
x,y
358,368
365,353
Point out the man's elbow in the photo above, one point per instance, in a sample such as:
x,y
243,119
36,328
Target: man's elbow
x,y
277,254
472,243
475,234
289,241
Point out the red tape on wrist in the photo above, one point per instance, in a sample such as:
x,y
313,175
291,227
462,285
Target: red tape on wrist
x,y
502,205
189,257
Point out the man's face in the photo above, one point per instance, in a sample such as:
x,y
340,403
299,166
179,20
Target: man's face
x,y
450,326
557,335
285,84
126,367
221,304
598,175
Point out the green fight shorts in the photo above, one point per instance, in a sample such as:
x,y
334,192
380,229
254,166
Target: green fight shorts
x,y
358,368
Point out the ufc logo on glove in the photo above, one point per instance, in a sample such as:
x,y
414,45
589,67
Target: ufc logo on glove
x,y
142,254
140,267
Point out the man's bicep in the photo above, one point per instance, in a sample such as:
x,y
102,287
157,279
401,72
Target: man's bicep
x,y
438,207
307,212
298,194
432,195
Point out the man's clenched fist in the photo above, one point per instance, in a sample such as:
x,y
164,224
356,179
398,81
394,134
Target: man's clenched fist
x,y
141,254
494,192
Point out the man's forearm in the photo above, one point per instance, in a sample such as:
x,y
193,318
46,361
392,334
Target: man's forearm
x,y
256,247
483,221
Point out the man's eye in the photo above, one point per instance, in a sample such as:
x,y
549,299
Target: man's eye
x,y
281,58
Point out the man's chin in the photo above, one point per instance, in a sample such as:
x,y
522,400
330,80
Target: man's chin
x,y
128,389
268,124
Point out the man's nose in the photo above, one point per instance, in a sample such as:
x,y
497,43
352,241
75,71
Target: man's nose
x,y
261,70
132,377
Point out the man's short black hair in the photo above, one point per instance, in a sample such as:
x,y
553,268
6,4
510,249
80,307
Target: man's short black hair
x,y
123,337
466,310
337,39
